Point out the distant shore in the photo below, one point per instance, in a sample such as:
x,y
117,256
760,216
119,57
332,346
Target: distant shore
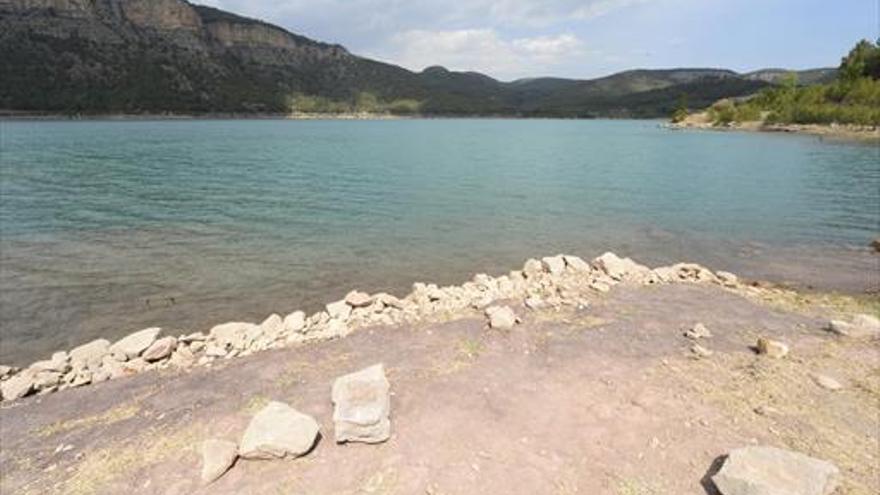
x,y
843,132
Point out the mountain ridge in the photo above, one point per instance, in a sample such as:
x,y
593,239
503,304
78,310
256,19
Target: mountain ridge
x,y
153,56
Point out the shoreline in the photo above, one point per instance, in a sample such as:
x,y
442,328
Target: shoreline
x,y
553,281
847,133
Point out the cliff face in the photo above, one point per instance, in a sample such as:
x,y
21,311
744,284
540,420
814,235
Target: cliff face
x,y
130,56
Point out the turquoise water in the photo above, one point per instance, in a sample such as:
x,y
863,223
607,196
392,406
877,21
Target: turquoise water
x,y
107,227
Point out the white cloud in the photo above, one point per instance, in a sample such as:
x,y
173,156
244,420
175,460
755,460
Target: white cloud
x,y
484,50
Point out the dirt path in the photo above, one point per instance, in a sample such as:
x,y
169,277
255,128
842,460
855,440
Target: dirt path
x,y
601,400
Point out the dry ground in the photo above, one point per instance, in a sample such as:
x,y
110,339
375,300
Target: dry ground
x,y
602,400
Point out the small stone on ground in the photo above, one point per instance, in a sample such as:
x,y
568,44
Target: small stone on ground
x,y
278,431
362,406
773,471
217,457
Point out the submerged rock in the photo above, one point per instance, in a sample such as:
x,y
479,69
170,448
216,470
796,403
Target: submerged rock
x,y
217,457
362,405
278,431
133,345
773,471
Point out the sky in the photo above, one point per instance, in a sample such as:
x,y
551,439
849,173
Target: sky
x,y
512,39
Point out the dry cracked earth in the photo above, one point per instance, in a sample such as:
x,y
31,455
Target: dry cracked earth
x,y
606,399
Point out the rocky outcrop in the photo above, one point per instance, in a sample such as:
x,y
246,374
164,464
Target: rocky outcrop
x,y
773,471
161,14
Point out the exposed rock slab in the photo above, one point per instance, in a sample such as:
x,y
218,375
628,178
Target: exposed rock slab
x,y
362,406
773,471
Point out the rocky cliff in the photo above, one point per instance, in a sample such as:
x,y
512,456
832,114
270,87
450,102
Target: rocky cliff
x,y
133,56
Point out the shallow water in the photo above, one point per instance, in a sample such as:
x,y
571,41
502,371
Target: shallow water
x,y
107,227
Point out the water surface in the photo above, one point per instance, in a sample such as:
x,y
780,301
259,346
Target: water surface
x,y
108,227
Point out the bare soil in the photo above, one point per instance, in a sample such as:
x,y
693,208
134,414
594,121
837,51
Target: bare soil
x,y
606,399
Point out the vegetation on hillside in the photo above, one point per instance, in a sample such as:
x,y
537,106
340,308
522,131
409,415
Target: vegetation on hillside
x,y
853,98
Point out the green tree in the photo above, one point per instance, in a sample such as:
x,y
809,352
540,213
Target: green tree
x,y
681,110
862,61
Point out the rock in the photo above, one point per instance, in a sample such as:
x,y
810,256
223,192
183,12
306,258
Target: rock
x,y
237,335
826,382
133,345
213,350
727,279
193,337
217,457
361,406
295,322
554,265
57,364
278,431
134,366
501,317
388,300
47,379
773,471
698,331
272,327
577,264
160,349
6,370
772,348
357,299
337,328
876,244
182,357
339,310
18,386
839,327
533,269
701,351
865,326
89,355
534,303
621,268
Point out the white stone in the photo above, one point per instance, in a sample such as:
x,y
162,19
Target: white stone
x,y
501,317
237,335
533,269
217,457
554,265
826,382
772,348
89,355
339,310
133,345
773,471
621,268
160,349
278,431
362,405
698,331
18,386
273,326
727,279
357,299
576,263
295,322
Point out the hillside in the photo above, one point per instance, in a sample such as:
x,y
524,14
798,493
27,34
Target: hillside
x,y
157,56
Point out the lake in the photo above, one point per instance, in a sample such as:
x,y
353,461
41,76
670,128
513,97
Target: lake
x,y
107,227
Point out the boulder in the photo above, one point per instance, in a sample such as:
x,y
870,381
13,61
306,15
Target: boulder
x,y
18,386
501,317
533,269
772,348
295,322
621,268
876,244
272,327
554,265
160,349
771,471
388,300
6,370
698,331
217,457
89,355
362,405
577,264
237,335
58,364
133,345
727,279
339,310
357,299
278,431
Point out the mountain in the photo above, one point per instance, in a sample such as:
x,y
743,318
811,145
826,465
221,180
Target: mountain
x,y
155,56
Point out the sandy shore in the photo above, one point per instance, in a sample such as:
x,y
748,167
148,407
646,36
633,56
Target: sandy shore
x,y
595,391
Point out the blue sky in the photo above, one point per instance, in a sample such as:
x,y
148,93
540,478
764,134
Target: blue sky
x,y
510,39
